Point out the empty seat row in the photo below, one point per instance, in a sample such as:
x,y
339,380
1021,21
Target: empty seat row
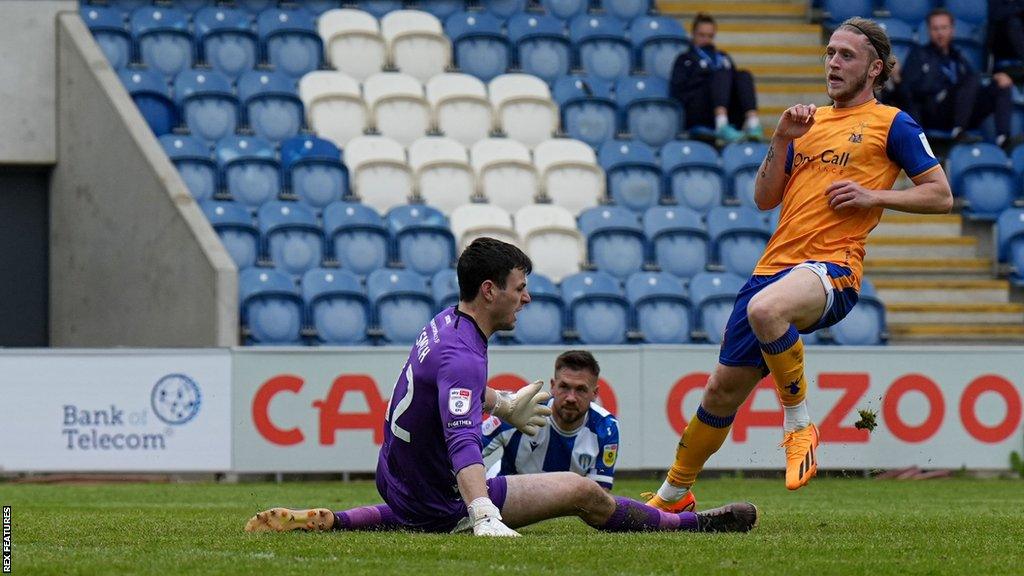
x,y
985,179
1009,243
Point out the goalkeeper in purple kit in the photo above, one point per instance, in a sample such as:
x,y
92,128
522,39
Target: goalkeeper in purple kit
x,y
430,471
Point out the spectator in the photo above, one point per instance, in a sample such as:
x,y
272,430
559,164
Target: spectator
x,y
1006,36
713,92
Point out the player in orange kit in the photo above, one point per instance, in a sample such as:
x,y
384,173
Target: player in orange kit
x,y
832,169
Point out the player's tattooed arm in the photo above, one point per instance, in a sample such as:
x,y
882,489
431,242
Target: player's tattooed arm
x,y
767,162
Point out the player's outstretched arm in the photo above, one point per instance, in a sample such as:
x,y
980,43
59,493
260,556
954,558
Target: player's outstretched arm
x,y
771,178
525,409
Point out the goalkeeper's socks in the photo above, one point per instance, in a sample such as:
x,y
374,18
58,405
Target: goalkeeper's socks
x,y
379,517
703,437
633,516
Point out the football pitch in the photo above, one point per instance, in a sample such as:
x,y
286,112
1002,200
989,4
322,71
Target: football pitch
x,y
834,526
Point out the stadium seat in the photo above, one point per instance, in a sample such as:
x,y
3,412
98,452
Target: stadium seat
x,y
864,325
503,9
569,174
649,114
337,306
334,106
982,175
587,109
255,6
379,172
196,166
320,7
1009,232
657,42
234,225
901,35
312,169
398,106
207,103
479,46
713,295
693,174
551,239
505,173
740,163
471,221
225,40
422,240
444,177
152,96
293,240
271,306
379,8
125,6
596,308
662,311
249,169
634,178
678,240
442,9
187,6
461,107
602,49
108,28
353,42
626,10
542,321
839,10
271,104
971,11
615,240
565,9
970,40
290,41
358,238
402,302
417,45
523,108
738,238
444,285
163,39
541,44
910,11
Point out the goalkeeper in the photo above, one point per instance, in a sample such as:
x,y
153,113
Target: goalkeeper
x,y
430,471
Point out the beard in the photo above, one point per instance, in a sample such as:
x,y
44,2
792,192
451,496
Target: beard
x,y
855,88
570,416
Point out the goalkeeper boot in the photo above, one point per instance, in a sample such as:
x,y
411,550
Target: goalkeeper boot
x,y
801,458
688,503
285,519
736,517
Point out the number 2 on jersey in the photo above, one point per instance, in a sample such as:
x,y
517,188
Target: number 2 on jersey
x,y
402,406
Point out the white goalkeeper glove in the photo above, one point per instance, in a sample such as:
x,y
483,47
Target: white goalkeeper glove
x,y
487,519
525,409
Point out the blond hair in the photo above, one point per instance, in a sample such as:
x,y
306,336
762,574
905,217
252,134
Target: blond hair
x,y
879,42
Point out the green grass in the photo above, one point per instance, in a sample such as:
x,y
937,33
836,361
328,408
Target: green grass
x,y
834,526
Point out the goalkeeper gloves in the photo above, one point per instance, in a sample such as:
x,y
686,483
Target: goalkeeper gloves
x,y
525,409
487,519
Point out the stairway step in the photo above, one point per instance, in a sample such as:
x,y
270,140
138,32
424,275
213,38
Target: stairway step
x,y
950,291
781,54
724,11
912,246
963,313
929,266
788,93
768,33
996,333
919,225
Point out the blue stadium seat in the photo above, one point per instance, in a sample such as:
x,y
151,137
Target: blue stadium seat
x,y
442,9
318,7
337,306
865,324
249,169
648,112
626,10
982,175
255,6
693,174
293,240
290,41
973,11
270,104
378,8
901,35
713,295
444,285
196,166
402,303
108,28
207,102
970,40
1010,242
602,49
422,239
542,320
163,39
589,113
657,42
357,236
152,96
738,238
596,308
479,47
662,310
840,10
615,240
234,224
225,40
740,162
910,11
188,6
128,5
271,306
542,47
565,9
313,169
634,177
678,240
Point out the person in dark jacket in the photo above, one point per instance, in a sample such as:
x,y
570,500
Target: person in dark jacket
x,y
1006,36
713,92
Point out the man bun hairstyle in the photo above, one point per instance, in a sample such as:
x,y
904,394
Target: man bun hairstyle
x,y
488,259
879,42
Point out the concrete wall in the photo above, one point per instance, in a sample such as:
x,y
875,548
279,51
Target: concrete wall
x,y
134,262
28,80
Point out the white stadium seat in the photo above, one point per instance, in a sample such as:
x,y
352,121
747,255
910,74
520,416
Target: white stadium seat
x,y
569,174
444,177
379,172
461,108
505,173
523,108
353,42
471,221
398,107
549,236
416,43
334,105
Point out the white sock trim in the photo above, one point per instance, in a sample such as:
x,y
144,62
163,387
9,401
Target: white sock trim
x,y
670,493
796,417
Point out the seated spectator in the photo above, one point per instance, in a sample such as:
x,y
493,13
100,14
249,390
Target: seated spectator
x,y
1006,36
941,90
713,92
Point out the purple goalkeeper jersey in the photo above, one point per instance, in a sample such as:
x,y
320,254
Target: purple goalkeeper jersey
x,y
433,421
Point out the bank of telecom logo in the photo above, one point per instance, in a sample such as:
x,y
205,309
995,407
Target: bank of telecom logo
x,y
176,399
